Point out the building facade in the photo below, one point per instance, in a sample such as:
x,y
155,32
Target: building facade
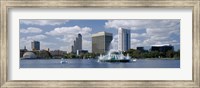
x,y
77,44
124,39
81,52
162,48
58,53
35,45
101,42
22,51
140,48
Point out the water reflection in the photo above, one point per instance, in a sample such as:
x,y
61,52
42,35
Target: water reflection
x,y
93,63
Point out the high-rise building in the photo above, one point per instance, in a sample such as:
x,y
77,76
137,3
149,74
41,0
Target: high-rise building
x,y
101,42
124,40
77,46
35,45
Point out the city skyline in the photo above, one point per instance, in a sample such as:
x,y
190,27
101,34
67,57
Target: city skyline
x,y
60,34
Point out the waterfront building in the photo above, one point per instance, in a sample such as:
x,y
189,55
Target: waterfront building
x,y
162,48
35,45
124,39
77,44
22,51
140,48
58,53
81,52
47,49
29,55
101,42
43,54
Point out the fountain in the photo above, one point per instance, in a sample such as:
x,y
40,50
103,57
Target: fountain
x,y
114,55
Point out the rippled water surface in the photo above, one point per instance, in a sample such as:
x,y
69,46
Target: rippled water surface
x,y
93,63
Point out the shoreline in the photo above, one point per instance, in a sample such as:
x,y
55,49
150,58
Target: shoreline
x,y
96,58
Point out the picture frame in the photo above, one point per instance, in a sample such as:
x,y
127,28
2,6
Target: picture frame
x,y
4,53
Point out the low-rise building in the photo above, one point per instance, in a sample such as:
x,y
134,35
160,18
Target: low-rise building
x,y
140,48
81,52
162,48
22,51
58,53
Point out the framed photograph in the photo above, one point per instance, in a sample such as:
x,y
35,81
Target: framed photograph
x,y
121,43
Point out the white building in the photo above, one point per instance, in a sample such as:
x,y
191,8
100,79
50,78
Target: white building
x,y
124,40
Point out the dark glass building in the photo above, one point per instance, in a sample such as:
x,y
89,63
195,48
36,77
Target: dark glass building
x,y
162,48
35,45
140,48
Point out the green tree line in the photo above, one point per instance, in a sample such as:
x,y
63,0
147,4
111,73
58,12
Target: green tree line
x,y
153,54
86,55
133,53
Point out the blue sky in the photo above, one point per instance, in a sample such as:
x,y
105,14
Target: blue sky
x,y
60,34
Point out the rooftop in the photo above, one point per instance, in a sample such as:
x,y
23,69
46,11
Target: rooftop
x,y
102,33
162,45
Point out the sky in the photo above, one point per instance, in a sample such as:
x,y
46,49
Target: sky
x,y
59,34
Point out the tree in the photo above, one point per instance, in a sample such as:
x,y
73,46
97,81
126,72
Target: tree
x,y
169,54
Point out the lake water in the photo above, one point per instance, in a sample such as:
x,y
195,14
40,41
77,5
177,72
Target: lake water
x,y
93,63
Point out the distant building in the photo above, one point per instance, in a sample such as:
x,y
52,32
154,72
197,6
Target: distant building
x,y
35,45
42,54
140,48
22,51
77,44
81,52
47,49
58,53
124,39
29,55
101,42
162,48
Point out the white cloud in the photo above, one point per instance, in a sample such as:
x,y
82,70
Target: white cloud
x,y
162,31
26,41
137,35
69,30
129,24
36,37
42,22
135,43
45,45
68,34
87,45
64,48
138,24
153,31
31,30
